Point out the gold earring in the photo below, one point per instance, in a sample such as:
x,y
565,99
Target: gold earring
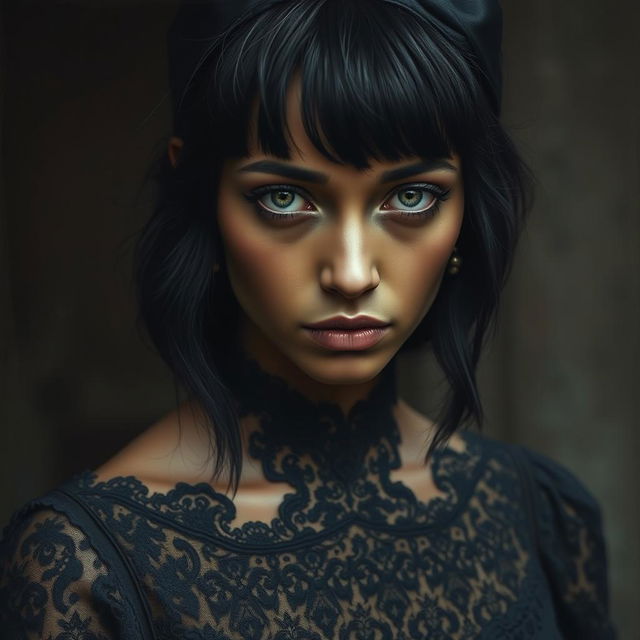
x,y
455,262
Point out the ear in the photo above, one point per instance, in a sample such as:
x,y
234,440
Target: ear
x,y
175,146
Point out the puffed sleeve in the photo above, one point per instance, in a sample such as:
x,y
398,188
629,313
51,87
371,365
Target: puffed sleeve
x,y
572,549
53,583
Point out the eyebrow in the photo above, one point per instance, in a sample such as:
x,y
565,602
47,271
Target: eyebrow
x,y
306,175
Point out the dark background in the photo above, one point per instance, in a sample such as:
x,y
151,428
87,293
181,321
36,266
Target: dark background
x,y
84,107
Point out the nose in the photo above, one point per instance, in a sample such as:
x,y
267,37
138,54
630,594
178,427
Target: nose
x,y
349,267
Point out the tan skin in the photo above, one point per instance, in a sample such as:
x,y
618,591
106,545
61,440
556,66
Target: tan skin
x,y
350,251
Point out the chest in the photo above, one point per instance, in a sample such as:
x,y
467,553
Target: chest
x,y
355,583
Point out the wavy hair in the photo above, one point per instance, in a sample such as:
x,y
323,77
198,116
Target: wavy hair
x,y
377,83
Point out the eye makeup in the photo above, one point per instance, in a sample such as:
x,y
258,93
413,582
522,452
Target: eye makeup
x,y
255,195
438,196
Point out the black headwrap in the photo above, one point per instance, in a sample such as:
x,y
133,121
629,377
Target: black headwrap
x,y
199,23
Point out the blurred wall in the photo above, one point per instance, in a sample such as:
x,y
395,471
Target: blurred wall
x,y
83,110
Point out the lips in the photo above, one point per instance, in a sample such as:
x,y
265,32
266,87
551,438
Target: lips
x,y
346,323
348,340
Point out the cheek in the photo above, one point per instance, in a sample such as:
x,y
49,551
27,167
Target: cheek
x,y
418,275
261,276
419,268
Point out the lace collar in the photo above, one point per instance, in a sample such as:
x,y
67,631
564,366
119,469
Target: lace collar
x,y
335,444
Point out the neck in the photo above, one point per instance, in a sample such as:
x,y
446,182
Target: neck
x,y
289,422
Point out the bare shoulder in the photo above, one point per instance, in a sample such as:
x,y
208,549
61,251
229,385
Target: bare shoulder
x,y
167,452
160,457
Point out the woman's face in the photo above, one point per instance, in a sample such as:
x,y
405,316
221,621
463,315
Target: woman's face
x,y
374,242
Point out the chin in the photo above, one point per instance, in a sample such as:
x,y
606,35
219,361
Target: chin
x,y
345,367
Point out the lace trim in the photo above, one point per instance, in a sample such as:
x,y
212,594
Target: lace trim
x,y
303,516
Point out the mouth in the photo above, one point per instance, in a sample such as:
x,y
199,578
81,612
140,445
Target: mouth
x,y
352,339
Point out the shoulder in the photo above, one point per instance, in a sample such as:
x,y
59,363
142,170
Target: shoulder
x,y
568,526
563,502
36,534
569,521
571,546
52,578
171,450
560,492
554,483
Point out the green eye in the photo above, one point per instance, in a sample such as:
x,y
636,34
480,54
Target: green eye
x,y
413,197
281,202
277,198
282,198
419,200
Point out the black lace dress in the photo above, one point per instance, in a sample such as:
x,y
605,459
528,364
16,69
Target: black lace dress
x,y
352,555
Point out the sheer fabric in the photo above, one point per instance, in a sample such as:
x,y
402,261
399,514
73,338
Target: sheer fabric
x,y
351,555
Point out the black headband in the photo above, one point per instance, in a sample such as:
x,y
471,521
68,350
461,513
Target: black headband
x,y
199,23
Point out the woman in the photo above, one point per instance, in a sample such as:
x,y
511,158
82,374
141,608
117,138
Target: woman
x,y
338,190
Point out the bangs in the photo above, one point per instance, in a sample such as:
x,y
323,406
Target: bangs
x,y
377,82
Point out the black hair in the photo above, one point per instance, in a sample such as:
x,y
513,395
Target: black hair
x,y
378,83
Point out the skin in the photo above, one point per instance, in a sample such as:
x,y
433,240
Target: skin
x,y
354,254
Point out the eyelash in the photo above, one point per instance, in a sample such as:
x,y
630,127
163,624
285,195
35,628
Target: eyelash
x,y
438,192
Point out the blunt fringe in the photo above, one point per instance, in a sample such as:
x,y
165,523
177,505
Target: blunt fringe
x,y
377,83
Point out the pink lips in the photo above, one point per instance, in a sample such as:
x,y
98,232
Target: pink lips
x,y
342,333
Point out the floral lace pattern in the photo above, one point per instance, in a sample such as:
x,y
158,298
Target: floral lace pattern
x,y
352,554
56,585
